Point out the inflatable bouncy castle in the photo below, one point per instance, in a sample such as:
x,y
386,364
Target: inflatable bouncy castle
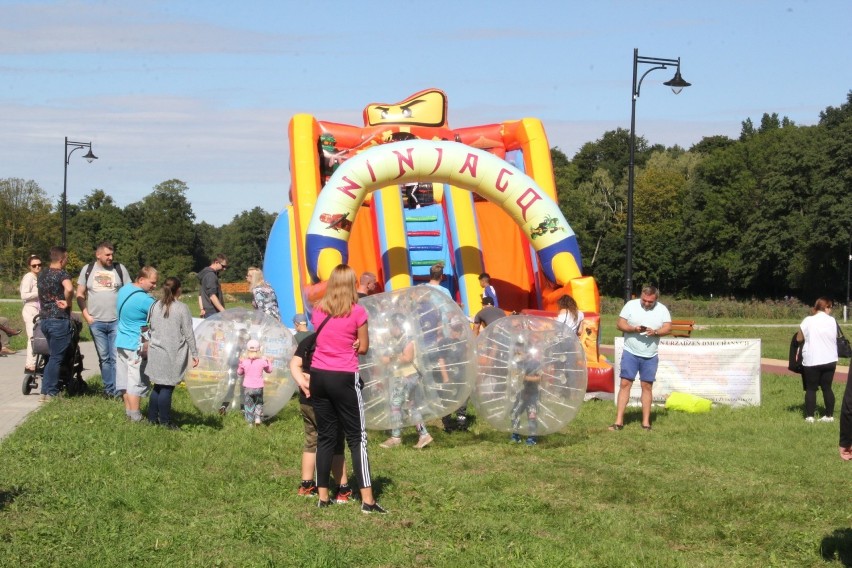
x,y
404,191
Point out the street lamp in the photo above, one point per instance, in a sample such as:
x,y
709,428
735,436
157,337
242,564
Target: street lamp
x,y
89,158
677,84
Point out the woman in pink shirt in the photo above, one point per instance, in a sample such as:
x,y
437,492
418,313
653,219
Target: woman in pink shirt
x,y
335,385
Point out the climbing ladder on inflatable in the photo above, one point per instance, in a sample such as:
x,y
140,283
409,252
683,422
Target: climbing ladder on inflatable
x,y
428,243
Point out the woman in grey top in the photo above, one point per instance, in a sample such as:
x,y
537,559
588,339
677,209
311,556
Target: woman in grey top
x,y
172,341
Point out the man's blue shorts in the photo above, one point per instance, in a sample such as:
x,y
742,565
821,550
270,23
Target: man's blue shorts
x,y
645,367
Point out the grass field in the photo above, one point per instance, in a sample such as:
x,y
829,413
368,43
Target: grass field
x,y
80,486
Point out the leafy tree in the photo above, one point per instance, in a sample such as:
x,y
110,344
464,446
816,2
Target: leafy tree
x,y
710,144
747,130
165,236
208,243
612,153
244,241
833,117
97,218
713,220
658,218
28,225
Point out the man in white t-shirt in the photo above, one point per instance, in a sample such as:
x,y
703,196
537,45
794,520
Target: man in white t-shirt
x,y
643,322
97,290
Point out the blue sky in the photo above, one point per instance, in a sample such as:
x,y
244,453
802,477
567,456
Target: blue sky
x,y
203,91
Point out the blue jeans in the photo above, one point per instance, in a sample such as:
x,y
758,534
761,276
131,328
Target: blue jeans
x,y
103,334
58,335
160,405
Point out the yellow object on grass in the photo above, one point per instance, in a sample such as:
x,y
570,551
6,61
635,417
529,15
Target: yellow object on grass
x,y
688,403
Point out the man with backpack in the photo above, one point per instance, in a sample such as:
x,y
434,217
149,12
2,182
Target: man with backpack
x,y
97,289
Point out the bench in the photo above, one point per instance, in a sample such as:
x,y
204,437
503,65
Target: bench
x,y
682,328
235,287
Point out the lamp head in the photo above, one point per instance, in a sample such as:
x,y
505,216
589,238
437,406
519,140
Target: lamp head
x,y
677,83
90,157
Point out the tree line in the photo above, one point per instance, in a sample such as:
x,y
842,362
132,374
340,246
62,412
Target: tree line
x,y
768,215
159,230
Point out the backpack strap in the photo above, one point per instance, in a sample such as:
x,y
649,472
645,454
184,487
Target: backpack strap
x,y
322,325
120,273
116,267
125,301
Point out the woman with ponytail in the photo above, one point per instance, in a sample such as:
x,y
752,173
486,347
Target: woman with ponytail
x,y
172,343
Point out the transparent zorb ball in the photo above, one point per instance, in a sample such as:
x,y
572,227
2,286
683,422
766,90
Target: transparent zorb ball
x,y
214,385
532,375
421,363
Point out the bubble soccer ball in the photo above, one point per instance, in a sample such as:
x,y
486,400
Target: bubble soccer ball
x,y
421,363
221,342
532,375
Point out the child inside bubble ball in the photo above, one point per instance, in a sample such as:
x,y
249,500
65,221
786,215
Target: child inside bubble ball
x,y
527,400
406,390
252,368
449,361
233,358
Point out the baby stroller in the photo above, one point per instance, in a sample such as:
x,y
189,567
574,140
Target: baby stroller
x,y
71,370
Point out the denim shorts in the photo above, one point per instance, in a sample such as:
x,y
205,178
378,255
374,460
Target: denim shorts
x,y
130,373
645,367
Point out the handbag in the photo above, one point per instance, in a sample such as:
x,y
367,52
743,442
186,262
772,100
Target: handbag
x,y
794,362
144,340
308,345
843,347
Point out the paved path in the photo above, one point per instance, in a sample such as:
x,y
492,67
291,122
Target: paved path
x,y
14,406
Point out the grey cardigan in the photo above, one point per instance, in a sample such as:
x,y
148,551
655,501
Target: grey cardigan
x,y
172,342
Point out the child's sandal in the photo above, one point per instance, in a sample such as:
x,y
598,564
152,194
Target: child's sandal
x,y
616,427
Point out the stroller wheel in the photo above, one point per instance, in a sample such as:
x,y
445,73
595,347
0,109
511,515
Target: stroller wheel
x,y
29,384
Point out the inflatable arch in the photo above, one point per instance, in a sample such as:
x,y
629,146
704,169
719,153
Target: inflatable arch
x,y
539,217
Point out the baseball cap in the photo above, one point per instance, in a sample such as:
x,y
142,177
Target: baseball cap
x,y
253,345
299,318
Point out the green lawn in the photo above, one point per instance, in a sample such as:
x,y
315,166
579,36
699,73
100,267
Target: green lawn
x,y
80,486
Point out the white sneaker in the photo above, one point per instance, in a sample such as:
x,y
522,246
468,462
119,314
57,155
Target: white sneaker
x,y
810,420
391,442
424,441
827,419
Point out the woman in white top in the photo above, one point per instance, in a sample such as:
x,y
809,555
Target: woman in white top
x,y
570,314
29,295
819,357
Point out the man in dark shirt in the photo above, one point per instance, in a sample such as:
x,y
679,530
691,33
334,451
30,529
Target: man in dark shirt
x,y
54,294
210,298
366,284
487,315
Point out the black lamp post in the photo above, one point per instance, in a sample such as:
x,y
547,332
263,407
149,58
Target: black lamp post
x,y
677,84
90,158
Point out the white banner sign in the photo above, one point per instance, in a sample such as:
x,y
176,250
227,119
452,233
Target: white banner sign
x,y
726,371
